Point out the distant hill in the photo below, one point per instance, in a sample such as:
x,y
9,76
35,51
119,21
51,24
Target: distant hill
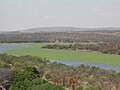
x,y
63,29
51,29
66,29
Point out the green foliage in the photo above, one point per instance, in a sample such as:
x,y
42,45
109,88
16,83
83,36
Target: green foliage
x,y
89,87
46,86
4,65
28,79
22,78
29,73
79,88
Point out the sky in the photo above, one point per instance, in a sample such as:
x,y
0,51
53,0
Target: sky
x,y
25,14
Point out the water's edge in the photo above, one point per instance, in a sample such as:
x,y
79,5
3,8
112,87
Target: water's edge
x,y
79,62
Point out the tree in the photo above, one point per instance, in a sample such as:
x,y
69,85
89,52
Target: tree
x,y
23,77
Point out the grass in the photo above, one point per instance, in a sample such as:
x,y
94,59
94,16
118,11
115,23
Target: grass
x,y
66,54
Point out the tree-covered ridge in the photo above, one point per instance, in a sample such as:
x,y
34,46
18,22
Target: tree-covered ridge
x,y
72,36
34,73
105,48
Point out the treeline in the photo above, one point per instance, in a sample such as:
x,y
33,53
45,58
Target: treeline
x,y
76,36
34,73
105,48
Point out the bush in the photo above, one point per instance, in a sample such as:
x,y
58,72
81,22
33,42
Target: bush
x,y
28,79
46,86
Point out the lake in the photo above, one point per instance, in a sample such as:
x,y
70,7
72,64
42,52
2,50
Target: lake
x,y
79,62
9,46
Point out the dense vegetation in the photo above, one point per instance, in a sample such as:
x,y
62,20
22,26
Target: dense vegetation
x,y
105,48
29,79
76,36
34,73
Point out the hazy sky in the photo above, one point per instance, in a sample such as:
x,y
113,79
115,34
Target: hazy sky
x,y
23,14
